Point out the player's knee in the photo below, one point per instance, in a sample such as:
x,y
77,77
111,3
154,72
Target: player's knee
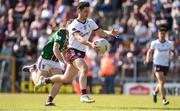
x,y
161,82
84,70
65,80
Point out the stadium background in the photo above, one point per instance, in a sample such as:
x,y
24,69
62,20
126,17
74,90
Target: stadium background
x,y
26,25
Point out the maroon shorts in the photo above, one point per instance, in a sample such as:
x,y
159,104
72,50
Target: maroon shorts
x,y
73,54
160,68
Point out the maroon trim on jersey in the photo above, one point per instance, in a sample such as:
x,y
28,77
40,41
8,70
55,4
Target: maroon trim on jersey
x,y
81,21
75,32
96,29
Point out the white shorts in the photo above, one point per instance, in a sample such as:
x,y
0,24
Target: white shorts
x,y
46,65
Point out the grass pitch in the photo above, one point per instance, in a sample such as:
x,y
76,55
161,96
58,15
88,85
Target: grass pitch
x,y
35,102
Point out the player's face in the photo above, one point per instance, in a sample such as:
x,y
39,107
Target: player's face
x,y
84,13
162,34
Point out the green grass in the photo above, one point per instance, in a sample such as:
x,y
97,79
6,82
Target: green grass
x,y
35,102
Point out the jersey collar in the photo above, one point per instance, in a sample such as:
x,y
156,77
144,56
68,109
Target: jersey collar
x,y
81,22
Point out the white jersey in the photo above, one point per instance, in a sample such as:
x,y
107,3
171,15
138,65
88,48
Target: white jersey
x,y
162,51
85,30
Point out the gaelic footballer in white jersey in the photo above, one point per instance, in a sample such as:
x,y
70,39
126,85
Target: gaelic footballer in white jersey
x,y
161,56
161,50
85,30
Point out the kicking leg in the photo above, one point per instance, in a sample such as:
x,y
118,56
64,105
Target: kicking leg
x,y
68,76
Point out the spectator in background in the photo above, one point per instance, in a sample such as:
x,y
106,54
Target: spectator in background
x,y
152,27
175,13
127,8
47,10
42,41
147,9
36,23
140,31
131,23
102,19
158,6
120,24
10,34
37,9
3,8
28,16
10,16
20,6
137,14
107,70
60,11
176,32
19,11
23,45
128,65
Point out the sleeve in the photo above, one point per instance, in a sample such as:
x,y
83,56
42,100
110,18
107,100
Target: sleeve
x,y
94,26
74,28
58,39
152,46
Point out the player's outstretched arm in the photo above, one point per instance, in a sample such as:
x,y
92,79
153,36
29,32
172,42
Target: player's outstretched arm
x,y
106,33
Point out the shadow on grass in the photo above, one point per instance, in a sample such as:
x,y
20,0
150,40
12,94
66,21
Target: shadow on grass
x,y
140,108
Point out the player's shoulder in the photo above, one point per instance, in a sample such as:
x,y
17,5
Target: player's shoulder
x,y
62,30
74,22
90,20
169,41
154,41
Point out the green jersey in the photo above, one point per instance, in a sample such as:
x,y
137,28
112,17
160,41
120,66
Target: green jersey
x,y
57,37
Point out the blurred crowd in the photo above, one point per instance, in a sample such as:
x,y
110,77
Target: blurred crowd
x,y
26,25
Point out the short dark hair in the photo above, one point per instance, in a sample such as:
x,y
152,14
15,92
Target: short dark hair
x,y
163,28
82,5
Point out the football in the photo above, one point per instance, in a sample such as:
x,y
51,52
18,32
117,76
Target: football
x,y
102,45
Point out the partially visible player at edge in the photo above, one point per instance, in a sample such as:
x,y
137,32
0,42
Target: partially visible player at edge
x,y
79,33
161,50
51,61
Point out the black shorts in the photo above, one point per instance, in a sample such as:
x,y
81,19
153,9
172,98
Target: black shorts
x,y
73,54
160,68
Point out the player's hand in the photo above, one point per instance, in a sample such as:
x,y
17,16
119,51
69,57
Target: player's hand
x,y
115,32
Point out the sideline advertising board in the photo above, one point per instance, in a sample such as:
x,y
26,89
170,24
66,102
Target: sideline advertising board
x,y
146,88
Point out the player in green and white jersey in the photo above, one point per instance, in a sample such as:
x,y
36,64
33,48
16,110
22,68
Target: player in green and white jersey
x,y
51,61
